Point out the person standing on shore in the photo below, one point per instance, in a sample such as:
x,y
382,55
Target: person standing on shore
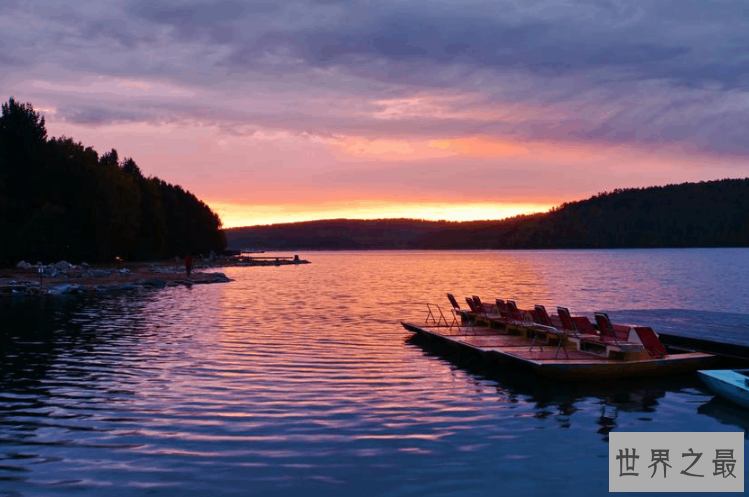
x,y
188,264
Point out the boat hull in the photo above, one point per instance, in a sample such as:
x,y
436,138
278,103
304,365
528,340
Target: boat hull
x,y
729,384
671,364
545,360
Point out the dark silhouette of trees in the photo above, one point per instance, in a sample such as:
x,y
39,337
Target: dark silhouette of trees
x,y
706,214
336,234
60,200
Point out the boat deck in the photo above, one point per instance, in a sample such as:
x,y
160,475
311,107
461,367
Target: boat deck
x,y
468,331
549,354
566,363
517,346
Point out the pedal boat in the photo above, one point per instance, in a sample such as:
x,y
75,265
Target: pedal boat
x,y
730,384
561,352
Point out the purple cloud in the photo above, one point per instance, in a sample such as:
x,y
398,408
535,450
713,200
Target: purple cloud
x,y
639,73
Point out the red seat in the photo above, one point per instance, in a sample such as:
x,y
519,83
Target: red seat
x,y
472,305
515,313
540,316
584,326
608,331
486,309
578,325
503,310
453,302
651,342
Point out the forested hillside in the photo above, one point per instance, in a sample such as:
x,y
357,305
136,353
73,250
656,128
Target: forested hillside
x,y
706,214
336,234
60,200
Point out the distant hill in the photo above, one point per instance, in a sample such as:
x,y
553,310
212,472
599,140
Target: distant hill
x,y
705,214
335,234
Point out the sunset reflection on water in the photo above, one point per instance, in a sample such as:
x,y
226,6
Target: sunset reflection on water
x,y
299,379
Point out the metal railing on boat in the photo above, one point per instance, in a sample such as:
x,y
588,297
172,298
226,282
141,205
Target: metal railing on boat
x,y
437,318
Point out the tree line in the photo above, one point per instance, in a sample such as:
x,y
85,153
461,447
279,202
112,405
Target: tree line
x,y
60,200
705,214
334,234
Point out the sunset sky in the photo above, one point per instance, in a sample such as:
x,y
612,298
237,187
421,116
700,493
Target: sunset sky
x,y
289,111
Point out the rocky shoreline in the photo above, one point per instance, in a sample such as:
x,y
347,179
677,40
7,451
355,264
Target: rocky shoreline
x,y
64,278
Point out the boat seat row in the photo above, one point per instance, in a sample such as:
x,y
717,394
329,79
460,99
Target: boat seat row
x,y
603,335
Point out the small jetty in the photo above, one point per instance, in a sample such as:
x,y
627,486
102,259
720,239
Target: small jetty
x,y
244,259
560,346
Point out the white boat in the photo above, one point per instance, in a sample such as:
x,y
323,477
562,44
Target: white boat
x,y
731,384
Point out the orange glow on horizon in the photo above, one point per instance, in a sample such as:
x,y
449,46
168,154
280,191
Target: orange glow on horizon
x,y
235,215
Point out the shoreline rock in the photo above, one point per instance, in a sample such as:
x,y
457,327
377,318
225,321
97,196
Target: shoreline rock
x,y
64,278
28,280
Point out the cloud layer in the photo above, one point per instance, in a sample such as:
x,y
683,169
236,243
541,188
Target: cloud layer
x,y
343,83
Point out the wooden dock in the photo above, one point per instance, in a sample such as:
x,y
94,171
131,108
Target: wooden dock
x,y
268,260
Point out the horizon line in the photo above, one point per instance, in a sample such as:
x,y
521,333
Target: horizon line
x,y
431,221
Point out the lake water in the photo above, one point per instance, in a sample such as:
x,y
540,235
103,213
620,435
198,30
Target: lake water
x,y
299,380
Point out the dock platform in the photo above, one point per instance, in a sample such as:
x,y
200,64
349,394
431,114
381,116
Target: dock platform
x,y
267,260
568,362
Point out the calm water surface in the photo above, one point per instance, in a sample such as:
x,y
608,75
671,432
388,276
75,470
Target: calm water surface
x,y
298,380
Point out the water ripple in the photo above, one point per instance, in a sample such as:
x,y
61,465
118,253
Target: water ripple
x,y
300,380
